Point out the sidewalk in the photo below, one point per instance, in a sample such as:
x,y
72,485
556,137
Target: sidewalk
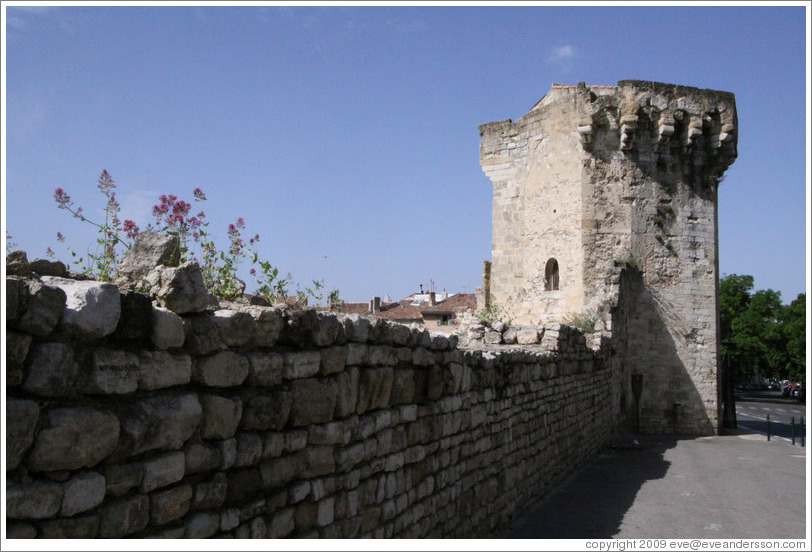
x,y
733,486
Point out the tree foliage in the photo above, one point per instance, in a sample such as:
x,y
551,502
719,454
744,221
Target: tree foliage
x,y
763,336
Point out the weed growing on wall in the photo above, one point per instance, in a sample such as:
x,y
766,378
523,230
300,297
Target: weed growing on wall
x,y
175,216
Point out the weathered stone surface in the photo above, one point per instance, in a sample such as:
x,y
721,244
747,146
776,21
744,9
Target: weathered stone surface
x,y
92,309
221,416
333,359
170,504
223,369
17,263
357,328
265,369
21,421
249,449
356,353
267,411
375,389
181,289
121,478
161,422
236,327
135,321
150,249
527,336
243,485
201,525
113,372
83,492
316,461
73,438
124,516
44,267
314,401
32,500
201,457
16,300
20,530
202,335
268,324
301,364
280,471
403,386
211,493
167,329
44,305
328,329
163,470
161,369
52,370
347,392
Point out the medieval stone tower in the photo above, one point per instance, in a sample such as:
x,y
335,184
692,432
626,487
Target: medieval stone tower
x,y
604,208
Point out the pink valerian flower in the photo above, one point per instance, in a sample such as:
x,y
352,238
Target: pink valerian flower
x,y
60,237
130,228
199,195
253,271
62,198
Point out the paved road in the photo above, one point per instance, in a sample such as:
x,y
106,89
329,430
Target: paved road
x,y
737,485
753,408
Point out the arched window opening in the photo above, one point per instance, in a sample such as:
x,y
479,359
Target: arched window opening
x,y
551,275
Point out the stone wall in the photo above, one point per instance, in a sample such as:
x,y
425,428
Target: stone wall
x,y
129,419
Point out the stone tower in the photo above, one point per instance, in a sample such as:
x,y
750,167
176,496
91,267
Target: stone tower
x,y
604,210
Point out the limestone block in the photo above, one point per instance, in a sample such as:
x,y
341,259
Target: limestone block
x,y
423,357
249,449
161,369
201,458
277,472
236,328
314,401
82,493
202,335
17,346
229,519
356,353
381,355
201,525
21,421
295,440
92,309
135,321
273,444
73,438
125,516
223,369
170,504
149,249
228,452
32,500
121,478
77,527
374,389
328,329
210,494
163,470
16,300
265,369
161,423
527,336
346,392
167,329
20,530
180,289
301,364
221,416
268,323
333,360
357,328
282,524
44,305
510,335
17,263
325,512
317,461
298,491
267,411
403,386
52,370
492,337
331,433
113,372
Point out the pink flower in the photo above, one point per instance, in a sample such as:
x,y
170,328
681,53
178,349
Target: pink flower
x,y
199,195
253,271
130,228
60,237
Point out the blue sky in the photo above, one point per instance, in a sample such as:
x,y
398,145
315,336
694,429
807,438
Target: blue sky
x,y
347,136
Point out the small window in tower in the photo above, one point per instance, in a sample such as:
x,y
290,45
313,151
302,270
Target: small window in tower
x,y
551,275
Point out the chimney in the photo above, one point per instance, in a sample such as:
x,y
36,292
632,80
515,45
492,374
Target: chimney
x,y
375,305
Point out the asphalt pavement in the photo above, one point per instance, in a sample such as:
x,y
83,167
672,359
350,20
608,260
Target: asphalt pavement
x,y
731,486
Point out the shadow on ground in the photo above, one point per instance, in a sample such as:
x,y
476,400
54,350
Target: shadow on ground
x,y
592,502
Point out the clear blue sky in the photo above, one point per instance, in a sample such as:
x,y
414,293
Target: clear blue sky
x,y
347,136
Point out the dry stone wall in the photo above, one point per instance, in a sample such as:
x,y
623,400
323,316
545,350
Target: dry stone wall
x,y
128,419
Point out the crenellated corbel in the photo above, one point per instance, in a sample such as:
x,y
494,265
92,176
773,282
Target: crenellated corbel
x,y
628,126
585,131
693,130
665,129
